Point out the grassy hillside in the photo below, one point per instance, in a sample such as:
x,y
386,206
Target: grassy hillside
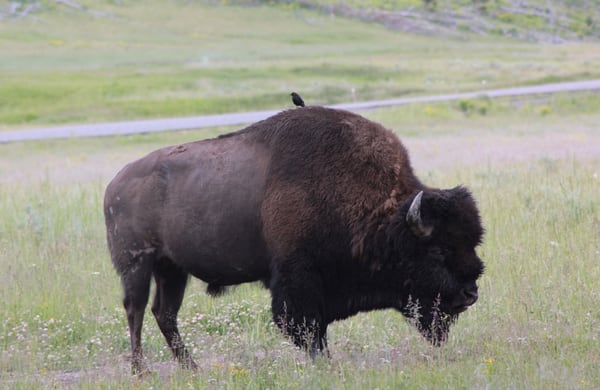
x,y
531,162
110,60
535,20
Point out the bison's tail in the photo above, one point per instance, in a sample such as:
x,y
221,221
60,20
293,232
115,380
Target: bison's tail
x,y
215,290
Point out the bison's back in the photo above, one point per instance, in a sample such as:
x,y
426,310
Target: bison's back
x,y
222,208
197,204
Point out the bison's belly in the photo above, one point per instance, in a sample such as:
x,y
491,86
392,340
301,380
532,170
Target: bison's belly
x,y
221,256
218,240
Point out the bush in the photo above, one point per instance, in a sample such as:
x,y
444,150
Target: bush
x,y
470,106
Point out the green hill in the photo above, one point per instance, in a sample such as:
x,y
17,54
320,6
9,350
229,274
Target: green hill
x,y
533,20
78,61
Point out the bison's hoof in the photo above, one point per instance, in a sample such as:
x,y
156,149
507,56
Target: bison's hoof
x,y
141,372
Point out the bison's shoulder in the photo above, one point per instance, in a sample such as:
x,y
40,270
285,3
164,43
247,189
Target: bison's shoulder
x,y
343,169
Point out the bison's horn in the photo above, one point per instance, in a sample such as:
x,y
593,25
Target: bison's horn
x,y
413,217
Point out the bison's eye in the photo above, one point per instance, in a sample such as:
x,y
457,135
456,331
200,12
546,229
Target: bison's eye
x,y
436,253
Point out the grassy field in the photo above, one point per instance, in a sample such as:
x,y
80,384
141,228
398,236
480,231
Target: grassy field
x,y
162,59
535,325
533,164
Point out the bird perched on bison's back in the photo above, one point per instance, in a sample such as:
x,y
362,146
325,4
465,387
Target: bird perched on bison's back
x,y
297,100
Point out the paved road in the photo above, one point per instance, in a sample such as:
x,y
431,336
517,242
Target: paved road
x,y
154,125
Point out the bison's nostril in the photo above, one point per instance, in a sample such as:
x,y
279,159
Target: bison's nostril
x,y
470,294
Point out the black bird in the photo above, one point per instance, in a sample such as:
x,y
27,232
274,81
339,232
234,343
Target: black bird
x,y
297,99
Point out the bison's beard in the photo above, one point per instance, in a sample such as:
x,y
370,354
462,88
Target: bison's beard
x,y
433,323
436,327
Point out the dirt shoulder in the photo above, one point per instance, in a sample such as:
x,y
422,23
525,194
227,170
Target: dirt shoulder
x,y
451,152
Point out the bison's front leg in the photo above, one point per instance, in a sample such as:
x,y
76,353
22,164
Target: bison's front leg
x,y
297,306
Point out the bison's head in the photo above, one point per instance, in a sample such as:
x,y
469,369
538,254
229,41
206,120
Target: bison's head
x,y
432,238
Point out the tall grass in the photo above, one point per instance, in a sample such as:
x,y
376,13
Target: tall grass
x,y
535,325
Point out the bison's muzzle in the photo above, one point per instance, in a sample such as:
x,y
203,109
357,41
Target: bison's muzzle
x,y
466,297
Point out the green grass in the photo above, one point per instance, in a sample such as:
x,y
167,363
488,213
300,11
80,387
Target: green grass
x,y
162,59
535,325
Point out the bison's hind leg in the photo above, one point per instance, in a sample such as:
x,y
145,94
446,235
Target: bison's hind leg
x,y
136,288
171,281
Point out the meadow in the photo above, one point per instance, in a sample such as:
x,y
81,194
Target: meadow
x,y
533,164
535,325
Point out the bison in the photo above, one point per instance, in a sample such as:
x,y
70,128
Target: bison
x,y
321,205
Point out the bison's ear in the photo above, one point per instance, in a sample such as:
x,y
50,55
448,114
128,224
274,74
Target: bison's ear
x,y
413,218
